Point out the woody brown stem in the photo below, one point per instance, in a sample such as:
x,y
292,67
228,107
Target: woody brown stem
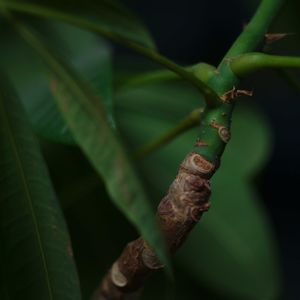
x,y
178,212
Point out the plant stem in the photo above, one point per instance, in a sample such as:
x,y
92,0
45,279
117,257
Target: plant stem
x,y
148,78
178,212
251,62
202,71
181,208
187,123
254,32
218,120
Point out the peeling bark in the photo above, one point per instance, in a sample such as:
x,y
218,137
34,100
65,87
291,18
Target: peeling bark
x,y
178,212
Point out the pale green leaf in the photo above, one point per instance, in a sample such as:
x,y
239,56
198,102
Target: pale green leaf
x,y
87,119
91,57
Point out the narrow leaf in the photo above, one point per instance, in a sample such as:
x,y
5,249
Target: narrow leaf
x,y
91,57
59,12
87,120
109,17
36,260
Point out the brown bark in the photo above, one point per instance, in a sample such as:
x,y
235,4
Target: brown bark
x,y
178,212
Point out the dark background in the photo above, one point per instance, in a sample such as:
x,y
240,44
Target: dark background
x,y
191,31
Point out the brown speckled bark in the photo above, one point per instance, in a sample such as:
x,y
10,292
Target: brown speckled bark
x,y
178,212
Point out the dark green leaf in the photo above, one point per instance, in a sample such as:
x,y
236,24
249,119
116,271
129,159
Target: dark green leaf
x,y
36,259
108,17
232,249
87,120
91,57
250,146
59,11
99,231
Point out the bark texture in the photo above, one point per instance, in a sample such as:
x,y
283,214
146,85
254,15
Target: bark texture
x,y
178,212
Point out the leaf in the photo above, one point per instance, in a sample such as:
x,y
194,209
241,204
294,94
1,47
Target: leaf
x,y
108,17
91,57
92,218
36,260
59,12
232,250
87,120
255,145
97,140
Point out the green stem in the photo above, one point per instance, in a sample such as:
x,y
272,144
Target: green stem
x,y
211,98
148,78
47,12
187,123
216,116
216,122
256,29
251,62
202,71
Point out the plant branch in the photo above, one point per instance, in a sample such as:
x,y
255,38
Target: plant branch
x,y
225,80
251,62
202,71
148,78
185,124
188,195
178,212
252,35
211,97
254,32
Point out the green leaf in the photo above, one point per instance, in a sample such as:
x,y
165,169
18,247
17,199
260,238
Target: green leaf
x,y
87,120
248,152
232,249
99,231
108,17
36,260
90,128
77,17
91,57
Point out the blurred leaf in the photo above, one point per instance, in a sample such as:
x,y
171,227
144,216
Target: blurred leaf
x,y
35,254
108,17
89,55
98,230
250,146
232,249
127,39
288,22
101,146
87,120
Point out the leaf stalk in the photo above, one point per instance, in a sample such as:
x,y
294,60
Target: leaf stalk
x,y
248,63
